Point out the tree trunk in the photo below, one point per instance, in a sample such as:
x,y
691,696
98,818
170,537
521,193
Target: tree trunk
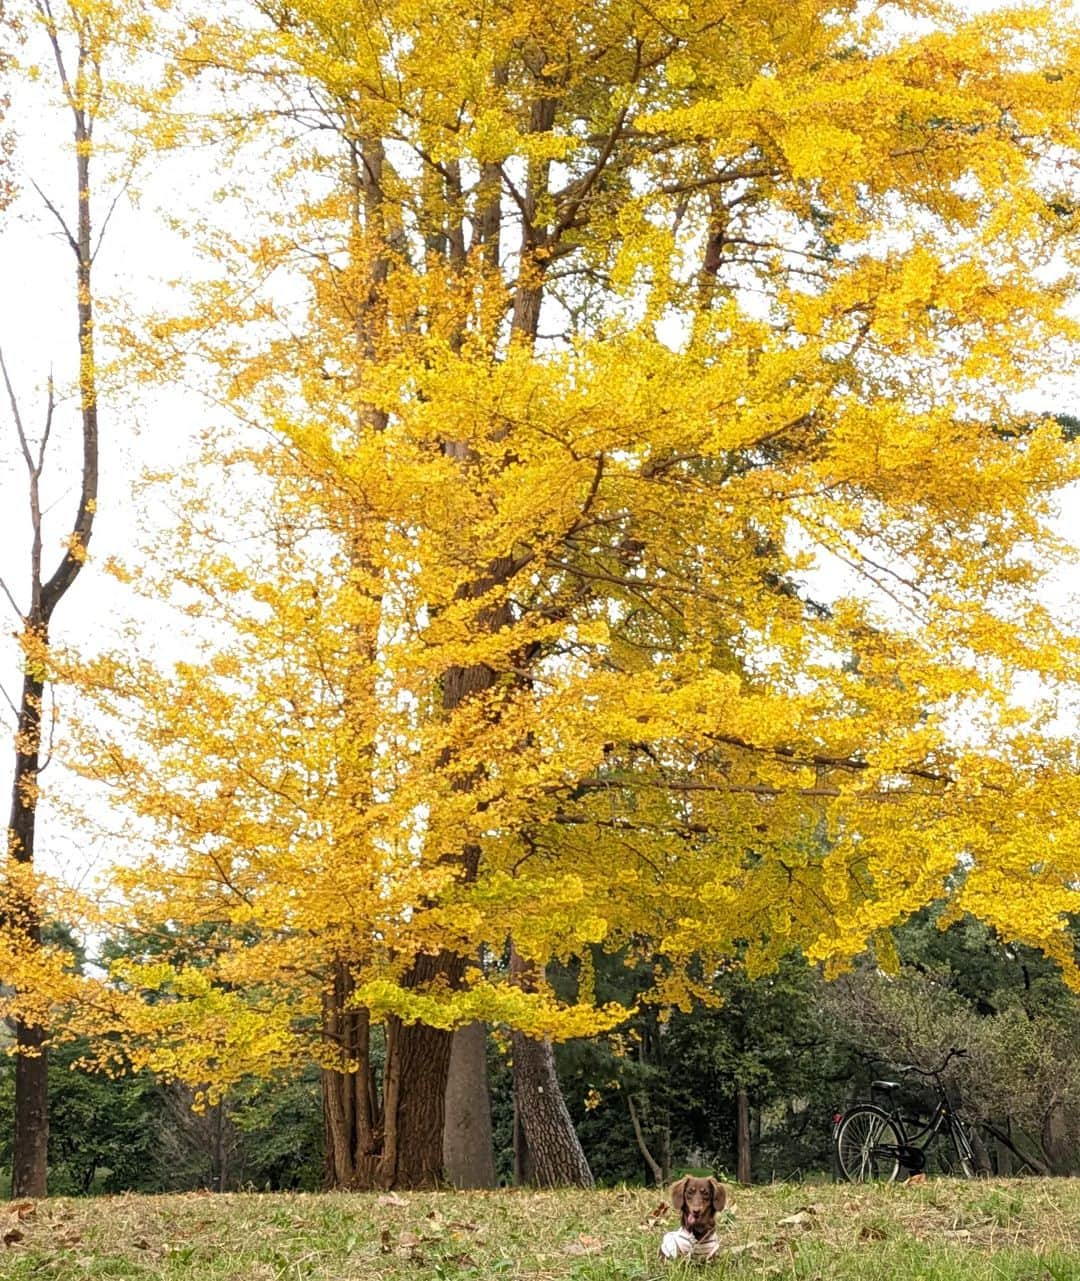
x,y
1054,1139
654,1167
554,1151
468,1155
31,1135
394,1141
29,1162
1025,1158
983,1164
1003,1157
523,1169
29,1165
743,1167
551,1150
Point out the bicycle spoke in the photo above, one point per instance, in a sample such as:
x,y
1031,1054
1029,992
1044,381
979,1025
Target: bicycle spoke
x,y
866,1140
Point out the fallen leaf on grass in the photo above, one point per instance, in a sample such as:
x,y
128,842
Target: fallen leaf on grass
x,y
585,1244
23,1209
12,1237
870,1232
800,1219
655,1217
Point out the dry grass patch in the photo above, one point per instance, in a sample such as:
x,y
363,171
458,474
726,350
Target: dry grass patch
x,y
941,1231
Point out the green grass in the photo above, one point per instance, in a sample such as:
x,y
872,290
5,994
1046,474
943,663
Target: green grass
x,y
939,1231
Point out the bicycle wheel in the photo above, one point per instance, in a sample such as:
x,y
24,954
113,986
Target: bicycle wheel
x,y
866,1141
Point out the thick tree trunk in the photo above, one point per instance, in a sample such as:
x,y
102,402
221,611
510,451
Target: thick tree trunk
x,y
552,1155
743,1165
468,1156
555,1153
394,1141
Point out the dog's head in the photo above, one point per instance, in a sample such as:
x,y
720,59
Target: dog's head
x,y
698,1202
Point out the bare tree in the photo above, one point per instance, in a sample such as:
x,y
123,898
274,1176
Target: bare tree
x,y
78,77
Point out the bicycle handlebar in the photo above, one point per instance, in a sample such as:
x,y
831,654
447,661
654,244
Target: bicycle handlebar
x,y
955,1053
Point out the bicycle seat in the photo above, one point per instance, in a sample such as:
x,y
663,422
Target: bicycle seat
x,y
884,1085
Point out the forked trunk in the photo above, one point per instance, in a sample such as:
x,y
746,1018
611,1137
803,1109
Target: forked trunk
x,y
389,1137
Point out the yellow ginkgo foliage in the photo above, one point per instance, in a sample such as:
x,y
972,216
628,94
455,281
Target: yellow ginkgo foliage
x,y
638,531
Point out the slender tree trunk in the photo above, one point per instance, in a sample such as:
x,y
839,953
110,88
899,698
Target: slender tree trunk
x,y
31,1135
29,1161
665,1150
743,1167
524,1175
29,1166
1025,1158
468,1156
654,1166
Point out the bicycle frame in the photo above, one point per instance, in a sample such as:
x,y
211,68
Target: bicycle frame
x,y
914,1142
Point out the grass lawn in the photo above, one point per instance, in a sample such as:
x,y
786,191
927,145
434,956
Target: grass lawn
x,y
1020,1230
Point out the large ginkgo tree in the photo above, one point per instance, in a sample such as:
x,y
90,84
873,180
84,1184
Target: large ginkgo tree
x,y
634,532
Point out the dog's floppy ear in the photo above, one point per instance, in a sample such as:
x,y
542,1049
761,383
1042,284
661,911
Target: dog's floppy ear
x,y
719,1194
678,1193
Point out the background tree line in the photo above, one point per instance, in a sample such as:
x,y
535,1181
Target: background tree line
x,y
775,1057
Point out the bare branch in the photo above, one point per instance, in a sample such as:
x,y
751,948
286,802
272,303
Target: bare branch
x,y
12,399
57,215
105,221
50,408
14,604
7,699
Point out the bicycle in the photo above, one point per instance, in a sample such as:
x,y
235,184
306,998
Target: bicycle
x,y
871,1142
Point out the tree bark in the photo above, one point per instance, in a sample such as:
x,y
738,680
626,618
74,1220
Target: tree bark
x,y
556,1156
29,1164
743,1166
553,1153
468,1155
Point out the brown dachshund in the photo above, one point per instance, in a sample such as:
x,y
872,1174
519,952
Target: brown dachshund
x,y
698,1202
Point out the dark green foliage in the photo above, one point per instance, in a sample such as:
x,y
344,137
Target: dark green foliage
x,y
281,1128
103,1132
